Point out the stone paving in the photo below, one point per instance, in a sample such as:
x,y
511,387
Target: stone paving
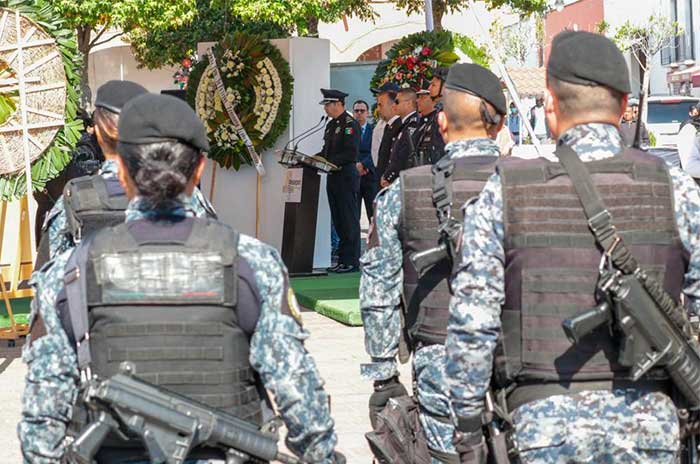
x,y
338,351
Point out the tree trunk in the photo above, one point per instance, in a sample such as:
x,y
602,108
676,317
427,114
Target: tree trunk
x,y
312,26
84,34
438,13
643,96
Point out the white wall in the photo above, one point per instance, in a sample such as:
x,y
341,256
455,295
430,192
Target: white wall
x,y
392,24
118,62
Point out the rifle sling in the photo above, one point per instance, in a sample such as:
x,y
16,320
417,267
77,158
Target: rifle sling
x,y
442,191
599,218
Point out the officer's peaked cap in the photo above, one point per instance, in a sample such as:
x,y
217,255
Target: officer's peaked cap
x,y
332,95
386,87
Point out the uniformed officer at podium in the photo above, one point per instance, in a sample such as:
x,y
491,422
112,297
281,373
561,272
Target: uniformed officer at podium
x,y
341,146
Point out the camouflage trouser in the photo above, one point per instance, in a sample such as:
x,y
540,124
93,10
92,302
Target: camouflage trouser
x,y
429,366
624,426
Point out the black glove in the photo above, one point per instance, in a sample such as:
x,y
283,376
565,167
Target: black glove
x,y
469,441
338,458
384,390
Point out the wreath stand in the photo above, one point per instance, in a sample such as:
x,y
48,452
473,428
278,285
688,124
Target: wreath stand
x,y
41,87
20,268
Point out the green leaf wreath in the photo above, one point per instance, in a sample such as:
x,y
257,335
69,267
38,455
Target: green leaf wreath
x,y
58,154
412,60
257,82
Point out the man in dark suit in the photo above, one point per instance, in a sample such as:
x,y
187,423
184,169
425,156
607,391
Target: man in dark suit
x,y
365,164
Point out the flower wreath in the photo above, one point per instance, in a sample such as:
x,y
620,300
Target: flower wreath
x,y
412,60
258,83
58,154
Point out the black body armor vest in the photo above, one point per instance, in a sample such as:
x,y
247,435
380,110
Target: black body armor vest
x,y
426,299
92,203
164,297
552,260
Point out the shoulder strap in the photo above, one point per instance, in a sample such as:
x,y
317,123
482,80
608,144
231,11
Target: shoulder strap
x,y
75,281
599,218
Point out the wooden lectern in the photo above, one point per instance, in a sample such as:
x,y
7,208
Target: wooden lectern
x,y
302,184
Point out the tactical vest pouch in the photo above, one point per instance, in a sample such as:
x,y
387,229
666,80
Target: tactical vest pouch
x,y
399,437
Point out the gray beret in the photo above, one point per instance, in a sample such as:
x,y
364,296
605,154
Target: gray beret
x,y
153,118
586,58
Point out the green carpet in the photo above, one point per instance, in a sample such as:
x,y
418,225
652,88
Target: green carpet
x,y
335,296
20,308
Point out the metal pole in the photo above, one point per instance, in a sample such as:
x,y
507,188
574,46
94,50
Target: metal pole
x,y
429,23
506,78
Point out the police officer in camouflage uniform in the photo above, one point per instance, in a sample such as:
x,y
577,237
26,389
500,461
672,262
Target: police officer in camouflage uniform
x,y
428,143
405,223
529,261
59,226
196,307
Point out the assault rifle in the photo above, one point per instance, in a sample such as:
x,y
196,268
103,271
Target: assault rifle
x,y
168,424
656,331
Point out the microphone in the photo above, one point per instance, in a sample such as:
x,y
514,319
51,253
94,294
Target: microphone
x,y
309,134
323,119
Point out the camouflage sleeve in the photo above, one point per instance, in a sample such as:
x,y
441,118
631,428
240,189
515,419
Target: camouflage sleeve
x,y
380,287
51,386
475,307
278,354
57,224
687,208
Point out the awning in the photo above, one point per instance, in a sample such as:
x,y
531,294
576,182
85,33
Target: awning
x,y
529,82
691,74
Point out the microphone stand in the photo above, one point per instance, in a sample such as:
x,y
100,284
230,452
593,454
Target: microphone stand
x,y
298,137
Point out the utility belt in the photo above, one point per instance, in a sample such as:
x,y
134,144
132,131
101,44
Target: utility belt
x,y
528,392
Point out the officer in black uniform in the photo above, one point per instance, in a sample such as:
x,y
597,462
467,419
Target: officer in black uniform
x,y
386,105
341,146
403,144
428,142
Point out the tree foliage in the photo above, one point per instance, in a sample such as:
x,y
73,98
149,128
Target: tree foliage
x,y
303,15
644,40
95,21
477,53
647,39
125,14
168,46
440,7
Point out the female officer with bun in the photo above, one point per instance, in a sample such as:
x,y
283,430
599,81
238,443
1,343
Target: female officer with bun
x,y
198,308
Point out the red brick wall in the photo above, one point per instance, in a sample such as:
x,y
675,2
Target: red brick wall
x,y
583,15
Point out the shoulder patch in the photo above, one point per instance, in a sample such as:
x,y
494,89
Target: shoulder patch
x,y
349,131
